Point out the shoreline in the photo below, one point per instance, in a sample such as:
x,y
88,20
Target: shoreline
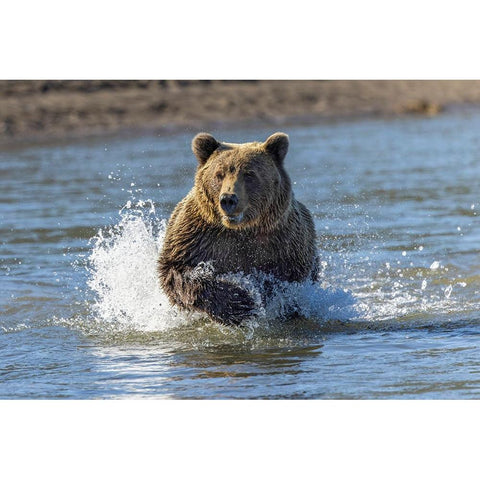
x,y
33,111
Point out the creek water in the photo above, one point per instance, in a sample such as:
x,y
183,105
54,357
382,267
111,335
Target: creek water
x,y
395,313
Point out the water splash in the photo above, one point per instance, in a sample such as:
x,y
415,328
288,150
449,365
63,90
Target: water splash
x,y
415,294
123,273
123,276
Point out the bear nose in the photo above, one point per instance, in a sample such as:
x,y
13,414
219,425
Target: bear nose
x,y
228,202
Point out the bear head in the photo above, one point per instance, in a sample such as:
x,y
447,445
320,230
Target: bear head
x,y
242,185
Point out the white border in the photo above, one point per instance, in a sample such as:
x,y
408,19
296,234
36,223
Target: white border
x,y
345,39
238,439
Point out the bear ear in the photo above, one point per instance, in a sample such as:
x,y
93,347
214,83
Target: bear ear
x,y
277,145
203,145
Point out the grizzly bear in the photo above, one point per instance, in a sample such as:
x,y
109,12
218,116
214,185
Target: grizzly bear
x,y
240,217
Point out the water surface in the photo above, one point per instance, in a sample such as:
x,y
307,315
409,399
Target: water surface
x,y
395,313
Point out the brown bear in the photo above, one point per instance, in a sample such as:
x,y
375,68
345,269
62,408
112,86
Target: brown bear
x,y
240,217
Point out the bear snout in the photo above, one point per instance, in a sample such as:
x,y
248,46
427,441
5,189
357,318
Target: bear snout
x,y
228,202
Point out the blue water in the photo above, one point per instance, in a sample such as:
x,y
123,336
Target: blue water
x,y
395,313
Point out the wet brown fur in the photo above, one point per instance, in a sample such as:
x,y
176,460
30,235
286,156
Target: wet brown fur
x,y
276,234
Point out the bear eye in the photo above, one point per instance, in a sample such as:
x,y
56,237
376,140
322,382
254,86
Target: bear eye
x,y
250,174
219,176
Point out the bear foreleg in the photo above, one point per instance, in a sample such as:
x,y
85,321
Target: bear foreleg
x,y
221,300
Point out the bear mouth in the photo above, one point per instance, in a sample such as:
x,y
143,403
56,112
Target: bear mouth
x,y
233,218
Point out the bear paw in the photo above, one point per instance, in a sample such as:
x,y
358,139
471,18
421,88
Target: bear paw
x,y
228,303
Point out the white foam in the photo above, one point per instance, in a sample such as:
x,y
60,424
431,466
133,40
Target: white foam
x,y
123,273
124,279
127,294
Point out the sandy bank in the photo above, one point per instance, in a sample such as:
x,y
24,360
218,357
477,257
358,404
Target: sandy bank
x,y
43,109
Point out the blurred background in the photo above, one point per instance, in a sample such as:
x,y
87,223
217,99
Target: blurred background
x,y
53,109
